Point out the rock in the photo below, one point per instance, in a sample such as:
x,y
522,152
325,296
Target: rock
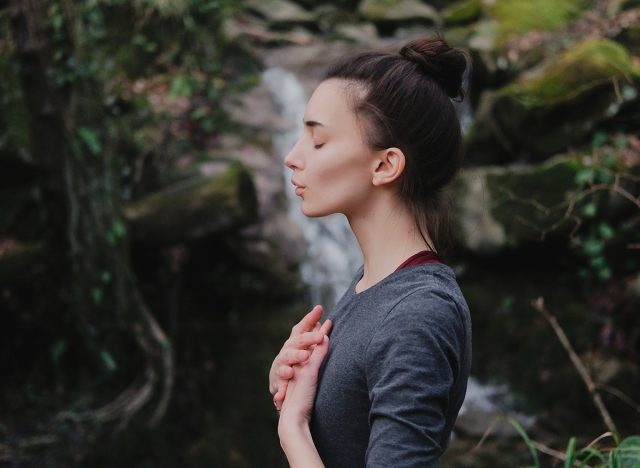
x,y
487,407
362,33
464,12
497,207
250,32
516,17
255,109
196,206
281,13
557,104
401,11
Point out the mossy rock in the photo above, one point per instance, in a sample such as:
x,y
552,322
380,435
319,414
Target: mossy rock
x,y
195,207
580,69
557,105
463,12
516,17
498,208
398,11
281,13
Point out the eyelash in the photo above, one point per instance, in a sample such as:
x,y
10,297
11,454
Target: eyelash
x,y
318,146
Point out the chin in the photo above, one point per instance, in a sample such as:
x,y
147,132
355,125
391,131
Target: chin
x,y
317,212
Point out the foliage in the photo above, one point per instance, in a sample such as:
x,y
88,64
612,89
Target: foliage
x,y
623,454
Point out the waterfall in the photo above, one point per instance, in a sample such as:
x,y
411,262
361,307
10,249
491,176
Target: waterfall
x,y
333,255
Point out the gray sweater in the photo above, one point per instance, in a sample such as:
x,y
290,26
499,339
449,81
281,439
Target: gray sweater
x,y
396,374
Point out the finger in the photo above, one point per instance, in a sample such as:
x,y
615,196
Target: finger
x,y
281,393
326,327
294,356
304,340
285,372
308,321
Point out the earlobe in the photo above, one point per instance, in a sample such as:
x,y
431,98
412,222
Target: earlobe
x,y
390,165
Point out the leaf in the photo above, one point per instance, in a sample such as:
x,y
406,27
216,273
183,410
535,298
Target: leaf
x,y
589,210
118,229
57,350
584,176
599,138
534,453
568,462
628,452
108,360
90,139
592,246
96,295
105,276
605,230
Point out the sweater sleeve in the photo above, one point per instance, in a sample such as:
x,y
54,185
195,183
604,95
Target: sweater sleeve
x,y
411,364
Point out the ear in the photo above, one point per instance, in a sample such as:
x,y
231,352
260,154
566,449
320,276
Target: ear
x,y
389,164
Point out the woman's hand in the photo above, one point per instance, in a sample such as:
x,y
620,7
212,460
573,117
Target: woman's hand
x,y
293,425
296,350
301,390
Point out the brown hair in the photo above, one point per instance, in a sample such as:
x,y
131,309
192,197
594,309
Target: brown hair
x,y
406,104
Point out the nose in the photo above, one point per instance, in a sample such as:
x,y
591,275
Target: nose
x,y
293,160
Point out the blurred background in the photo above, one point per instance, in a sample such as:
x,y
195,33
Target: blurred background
x,y
153,256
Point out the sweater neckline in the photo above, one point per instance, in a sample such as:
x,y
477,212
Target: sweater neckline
x,y
393,275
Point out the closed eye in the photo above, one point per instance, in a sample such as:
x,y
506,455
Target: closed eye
x,y
318,146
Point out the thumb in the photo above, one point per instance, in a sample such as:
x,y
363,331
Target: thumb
x,y
319,353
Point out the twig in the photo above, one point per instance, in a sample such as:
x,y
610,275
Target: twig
x,y
538,304
621,395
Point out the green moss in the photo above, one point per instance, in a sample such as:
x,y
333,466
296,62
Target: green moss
x,y
516,17
462,12
531,203
586,65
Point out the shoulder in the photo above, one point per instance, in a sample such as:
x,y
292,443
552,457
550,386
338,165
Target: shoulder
x,y
431,295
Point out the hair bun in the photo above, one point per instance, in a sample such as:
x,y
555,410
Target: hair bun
x,y
442,63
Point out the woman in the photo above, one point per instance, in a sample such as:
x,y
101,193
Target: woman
x,y
381,140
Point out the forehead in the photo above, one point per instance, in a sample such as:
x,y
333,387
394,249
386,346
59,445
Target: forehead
x,y
330,104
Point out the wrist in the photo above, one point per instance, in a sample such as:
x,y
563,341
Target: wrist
x,y
292,428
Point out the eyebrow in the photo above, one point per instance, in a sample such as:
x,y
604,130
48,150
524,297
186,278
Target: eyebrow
x,y
312,123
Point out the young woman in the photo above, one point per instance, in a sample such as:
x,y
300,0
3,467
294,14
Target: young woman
x,y
381,140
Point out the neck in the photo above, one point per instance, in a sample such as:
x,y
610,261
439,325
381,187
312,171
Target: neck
x,y
387,235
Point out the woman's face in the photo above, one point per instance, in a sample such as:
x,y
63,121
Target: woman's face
x,y
330,161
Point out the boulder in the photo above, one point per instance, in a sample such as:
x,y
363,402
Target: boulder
x,y
362,33
517,17
196,206
251,32
557,104
400,11
281,13
464,12
505,207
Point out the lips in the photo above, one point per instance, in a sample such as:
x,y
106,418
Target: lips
x,y
299,188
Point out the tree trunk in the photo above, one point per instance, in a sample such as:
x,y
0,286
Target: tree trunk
x,y
87,251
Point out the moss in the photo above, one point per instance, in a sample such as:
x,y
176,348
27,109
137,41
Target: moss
x,y
588,64
530,203
516,17
463,12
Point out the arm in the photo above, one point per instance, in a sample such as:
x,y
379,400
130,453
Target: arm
x,y
412,362
293,426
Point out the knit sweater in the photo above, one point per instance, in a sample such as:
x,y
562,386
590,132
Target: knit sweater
x,y
396,373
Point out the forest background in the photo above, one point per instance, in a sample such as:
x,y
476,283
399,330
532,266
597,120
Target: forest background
x,y
151,262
